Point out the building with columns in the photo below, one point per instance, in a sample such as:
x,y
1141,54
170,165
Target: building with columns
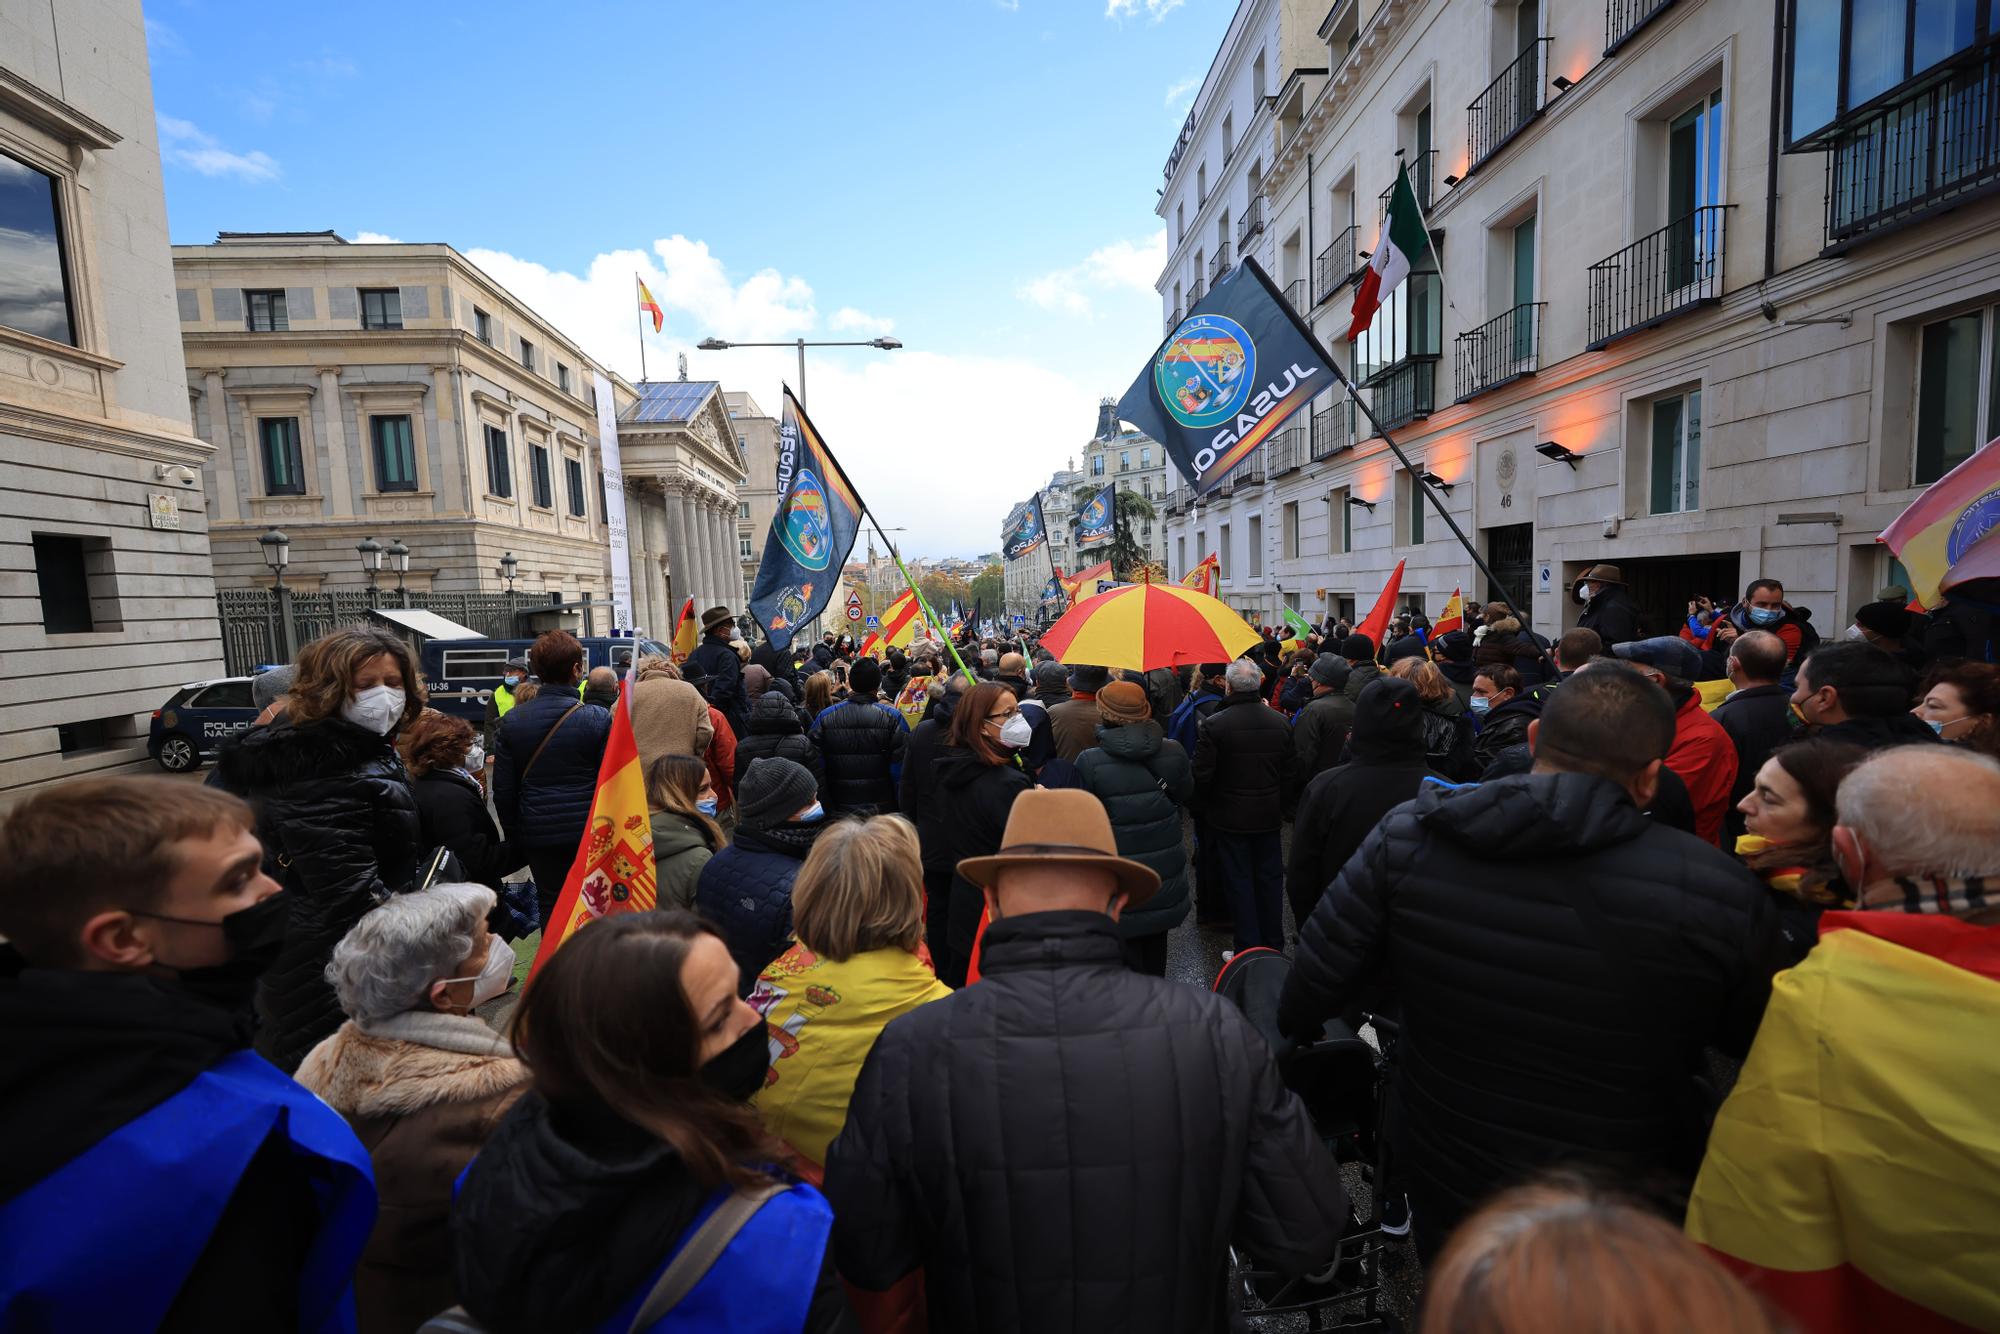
x,y
757,494
104,570
682,468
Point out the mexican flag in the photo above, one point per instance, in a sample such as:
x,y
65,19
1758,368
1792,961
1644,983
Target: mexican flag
x,y
1403,239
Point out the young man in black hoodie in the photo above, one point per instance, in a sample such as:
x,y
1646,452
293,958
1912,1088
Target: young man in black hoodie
x,y
158,1174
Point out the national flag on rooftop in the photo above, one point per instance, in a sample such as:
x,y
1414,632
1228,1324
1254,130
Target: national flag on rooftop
x,y
687,632
810,536
649,306
613,871
1203,577
1402,240
1377,622
1453,617
1951,533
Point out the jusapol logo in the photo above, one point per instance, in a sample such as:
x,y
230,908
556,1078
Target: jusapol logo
x,y
1206,376
807,528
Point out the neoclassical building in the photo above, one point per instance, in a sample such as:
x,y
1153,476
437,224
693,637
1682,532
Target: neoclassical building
x,y
682,470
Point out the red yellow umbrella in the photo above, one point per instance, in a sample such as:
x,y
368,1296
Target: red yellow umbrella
x,y
1143,626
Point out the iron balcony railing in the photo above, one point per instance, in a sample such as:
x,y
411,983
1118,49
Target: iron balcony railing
x,y
1936,144
1657,277
1288,450
1509,103
1334,266
1423,172
1174,318
1195,294
1255,468
1504,348
1332,431
1295,294
1218,264
1405,392
1227,486
1624,18
1251,223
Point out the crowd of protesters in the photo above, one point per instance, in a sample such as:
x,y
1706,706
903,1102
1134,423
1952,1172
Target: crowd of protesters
x,y
898,1050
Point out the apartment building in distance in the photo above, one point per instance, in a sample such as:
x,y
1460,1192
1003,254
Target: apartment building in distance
x,y
757,495
1025,579
107,600
1709,296
1134,461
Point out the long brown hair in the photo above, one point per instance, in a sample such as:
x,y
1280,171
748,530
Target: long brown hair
x,y
1557,1255
1817,764
436,741
606,1024
326,669
819,695
673,783
968,721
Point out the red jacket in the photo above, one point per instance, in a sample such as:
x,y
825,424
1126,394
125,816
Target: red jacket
x,y
721,760
1704,758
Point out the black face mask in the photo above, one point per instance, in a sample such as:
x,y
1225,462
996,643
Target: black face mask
x,y
255,934
738,1070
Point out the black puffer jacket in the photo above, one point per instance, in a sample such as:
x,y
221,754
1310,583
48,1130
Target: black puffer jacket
x,y
452,810
1243,766
1069,1146
775,731
861,743
1143,779
746,890
1448,739
975,799
334,806
1561,961
919,795
551,806
1503,727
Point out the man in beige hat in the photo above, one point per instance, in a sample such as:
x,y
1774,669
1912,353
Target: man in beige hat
x,y
1608,607
1067,1144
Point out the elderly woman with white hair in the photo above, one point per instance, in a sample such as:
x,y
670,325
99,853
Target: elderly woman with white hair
x,y
419,1078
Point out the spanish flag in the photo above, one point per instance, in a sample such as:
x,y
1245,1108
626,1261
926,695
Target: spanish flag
x,y
1202,578
1948,535
1453,617
1083,584
687,633
1853,1177
648,306
899,625
613,871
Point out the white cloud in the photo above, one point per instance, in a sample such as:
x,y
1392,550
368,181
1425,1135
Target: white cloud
x,y
1181,90
849,320
1011,6
162,39
376,238
900,422
186,144
1122,266
1153,9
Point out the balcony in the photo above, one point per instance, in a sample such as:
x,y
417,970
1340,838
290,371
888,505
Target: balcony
x,y
1251,223
1227,486
1405,392
1658,277
1174,318
1509,103
1288,449
1332,431
1501,350
1423,172
1926,150
1295,295
1624,18
1255,468
1334,266
1218,265
1195,294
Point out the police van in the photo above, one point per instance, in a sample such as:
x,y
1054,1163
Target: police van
x,y
192,725
460,675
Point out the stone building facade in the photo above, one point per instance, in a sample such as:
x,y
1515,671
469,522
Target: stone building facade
x,y
105,582
1024,579
1133,461
682,469
1705,310
757,494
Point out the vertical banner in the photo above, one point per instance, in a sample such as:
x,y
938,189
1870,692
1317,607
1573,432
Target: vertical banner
x,y
1096,523
614,507
811,534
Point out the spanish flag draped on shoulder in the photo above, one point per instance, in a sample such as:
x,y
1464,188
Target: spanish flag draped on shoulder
x,y
1402,241
613,871
811,534
1853,1177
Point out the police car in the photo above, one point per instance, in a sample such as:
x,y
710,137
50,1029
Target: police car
x,y
460,674
192,726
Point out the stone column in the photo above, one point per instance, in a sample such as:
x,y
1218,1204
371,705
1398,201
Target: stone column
x,y
229,497
334,441
727,579
638,551
704,541
668,609
674,517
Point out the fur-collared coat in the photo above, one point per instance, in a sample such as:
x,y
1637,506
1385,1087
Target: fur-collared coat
x,y
422,1092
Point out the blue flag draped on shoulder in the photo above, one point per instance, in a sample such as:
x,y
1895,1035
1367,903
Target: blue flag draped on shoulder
x,y
811,534
1095,523
1226,378
1024,530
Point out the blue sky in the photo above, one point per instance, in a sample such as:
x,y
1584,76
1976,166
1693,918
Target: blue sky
x,y
976,177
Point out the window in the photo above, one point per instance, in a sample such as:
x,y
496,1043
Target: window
x,y
482,326
527,355
1180,222
381,308
1877,44
544,484
86,734
1201,185
35,296
1343,525
1256,546
228,695
1097,465
1180,553
499,472
1228,136
562,377
742,509
1289,536
266,312
1145,456
573,477
395,453
1222,554
1124,460
284,469
1257,77
1676,460
1958,392
63,584
743,549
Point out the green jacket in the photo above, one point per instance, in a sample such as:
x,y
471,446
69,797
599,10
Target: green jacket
x,y
1144,780
680,849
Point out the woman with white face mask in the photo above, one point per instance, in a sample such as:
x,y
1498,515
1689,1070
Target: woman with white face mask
x,y
419,1077
335,813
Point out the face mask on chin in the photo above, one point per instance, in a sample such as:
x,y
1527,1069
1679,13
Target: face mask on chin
x,y
375,709
255,936
738,1070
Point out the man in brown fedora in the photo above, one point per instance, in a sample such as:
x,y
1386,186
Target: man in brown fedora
x,y
724,686
1067,1145
1608,607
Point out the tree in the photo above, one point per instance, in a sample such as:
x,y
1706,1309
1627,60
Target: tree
x,y
989,590
1124,551
940,589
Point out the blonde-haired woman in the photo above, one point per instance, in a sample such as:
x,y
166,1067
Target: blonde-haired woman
x,y
685,834
859,962
1448,730
335,814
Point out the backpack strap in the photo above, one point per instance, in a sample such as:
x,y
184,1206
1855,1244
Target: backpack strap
x,y
702,1250
547,737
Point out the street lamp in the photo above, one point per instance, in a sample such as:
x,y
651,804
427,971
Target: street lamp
x,y
277,550
399,561
723,345
509,567
371,562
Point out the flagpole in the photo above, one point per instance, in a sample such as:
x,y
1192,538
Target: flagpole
x,y
637,282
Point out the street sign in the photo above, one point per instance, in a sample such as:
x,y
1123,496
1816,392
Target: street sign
x,y
874,622
853,606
